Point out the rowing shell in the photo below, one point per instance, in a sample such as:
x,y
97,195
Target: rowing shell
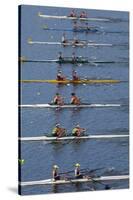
x,y
69,181
68,105
46,138
68,60
79,29
72,18
72,81
85,30
70,43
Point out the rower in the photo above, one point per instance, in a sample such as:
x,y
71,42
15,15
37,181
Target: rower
x,y
83,14
60,76
64,40
72,13
75,40
74,58
87,26
74,99
77,171
58,100
58,131
60,56
55,173
75,76
78,131
75,25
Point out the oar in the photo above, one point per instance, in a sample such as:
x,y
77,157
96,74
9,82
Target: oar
x,y
106,186
70,171
90,171
86,171
93,170
96,181
67,172
45,26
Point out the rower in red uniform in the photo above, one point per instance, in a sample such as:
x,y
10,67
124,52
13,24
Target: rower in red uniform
x,y
78,131
75,77
60,76
77,171
83,14
55,173
75,100
58,100
72,13
58,131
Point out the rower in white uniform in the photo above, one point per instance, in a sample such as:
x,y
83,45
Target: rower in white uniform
x,y
63,39
55,173
77,171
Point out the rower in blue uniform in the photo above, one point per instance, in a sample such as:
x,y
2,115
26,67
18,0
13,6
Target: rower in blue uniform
x,y
60,56
74,58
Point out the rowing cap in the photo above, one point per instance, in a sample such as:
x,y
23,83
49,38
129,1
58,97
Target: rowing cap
x,y
77,126
55,167
57,125
77,165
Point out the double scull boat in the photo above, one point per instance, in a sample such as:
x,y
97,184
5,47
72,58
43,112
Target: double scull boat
x,y
70,60
82,81
80,43
73,18
48,138
74,180
48,105
86,29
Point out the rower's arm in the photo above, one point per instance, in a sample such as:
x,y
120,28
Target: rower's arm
x,y
71,100
55,99
75,172
83,129
74,131
54,131
53,174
